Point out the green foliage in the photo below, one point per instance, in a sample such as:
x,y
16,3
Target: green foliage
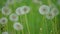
x,y
33,21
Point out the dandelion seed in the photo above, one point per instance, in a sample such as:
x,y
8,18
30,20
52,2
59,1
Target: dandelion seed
x,y
44,9
22,10
6,11
3,20
13,17
17,26
4,32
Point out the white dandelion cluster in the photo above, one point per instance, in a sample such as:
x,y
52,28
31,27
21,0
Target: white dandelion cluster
x,y
14,16
22,10
17,26
49,11
4,32
19,11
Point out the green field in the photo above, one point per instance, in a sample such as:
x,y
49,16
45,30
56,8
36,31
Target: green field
x,y
33,22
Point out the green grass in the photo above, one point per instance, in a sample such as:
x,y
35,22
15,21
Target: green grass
x,y
33,21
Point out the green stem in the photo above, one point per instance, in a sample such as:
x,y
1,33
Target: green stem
x,y
27,24
21,21
56,25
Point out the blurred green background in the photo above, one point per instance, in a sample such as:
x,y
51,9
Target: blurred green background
x,y
33,22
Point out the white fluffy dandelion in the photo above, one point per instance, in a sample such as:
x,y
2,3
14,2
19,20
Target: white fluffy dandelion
x,y
19,12
44,9
6,10
4,32
50,16
13,17
25,9
22,10
3,20
55,11
17,26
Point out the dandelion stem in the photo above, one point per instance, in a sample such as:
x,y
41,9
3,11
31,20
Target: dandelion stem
x,y
21,21
27,23
56,25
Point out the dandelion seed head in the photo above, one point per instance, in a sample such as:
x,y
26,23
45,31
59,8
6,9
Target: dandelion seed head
x,y
18,26
55,11
19,12
50,16
13,17
25,9
6,11
44,9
